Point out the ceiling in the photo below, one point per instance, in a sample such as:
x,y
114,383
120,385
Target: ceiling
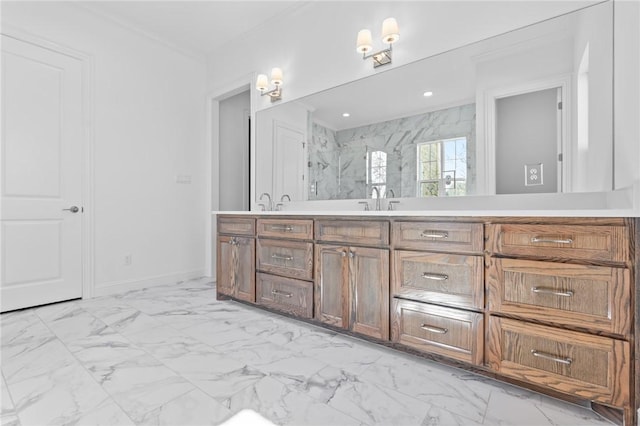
x,y
195,27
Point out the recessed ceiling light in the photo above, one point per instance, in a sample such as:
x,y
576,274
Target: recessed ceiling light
x,y
346,114
427,94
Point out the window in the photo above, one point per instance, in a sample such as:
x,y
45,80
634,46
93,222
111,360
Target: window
x,y
377,171
442,168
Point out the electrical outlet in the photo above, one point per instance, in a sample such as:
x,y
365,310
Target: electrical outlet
x,y
185,179
127,260
533,174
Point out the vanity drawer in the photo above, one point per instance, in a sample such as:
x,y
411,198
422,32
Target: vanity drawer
x,y
285,294
592,297
236,225
448,279
439,236
290,258
571,242
591,367
353,231
446,331
299,229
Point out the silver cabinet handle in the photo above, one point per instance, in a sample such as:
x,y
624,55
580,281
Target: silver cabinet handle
x,y
352,254
434,234
72,209
233,241
551,240
284,228
281,293
544,290
434,329
435,277
343,253
281,256
551,357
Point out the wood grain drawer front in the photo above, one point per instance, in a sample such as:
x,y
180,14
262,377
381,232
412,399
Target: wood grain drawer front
x,y
299,229
290,258
593,297
236,225
353,231
597,243
446,331
591,367
450,279
439,236
285,294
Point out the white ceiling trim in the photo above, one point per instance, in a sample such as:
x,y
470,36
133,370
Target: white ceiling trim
x,y
198,56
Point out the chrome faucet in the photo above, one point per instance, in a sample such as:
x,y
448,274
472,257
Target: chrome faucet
x,y
377,191
285,195
390,191
269,205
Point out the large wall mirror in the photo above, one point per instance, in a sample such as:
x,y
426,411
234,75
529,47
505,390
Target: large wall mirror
x,y
528,111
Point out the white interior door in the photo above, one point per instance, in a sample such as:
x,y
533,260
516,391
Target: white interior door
x,y
41,176
528,129
289,163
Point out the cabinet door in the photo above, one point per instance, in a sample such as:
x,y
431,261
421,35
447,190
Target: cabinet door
x,y
331,291
245,269
369,291
225,273
235,274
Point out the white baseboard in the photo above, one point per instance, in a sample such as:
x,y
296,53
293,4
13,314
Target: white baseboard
x,y
114,287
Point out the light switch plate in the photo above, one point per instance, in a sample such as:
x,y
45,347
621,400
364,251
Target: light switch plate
x,y
533,174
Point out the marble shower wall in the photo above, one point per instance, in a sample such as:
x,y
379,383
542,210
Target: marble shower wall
x,y
337,159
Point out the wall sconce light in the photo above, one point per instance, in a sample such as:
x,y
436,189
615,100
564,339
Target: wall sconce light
x,y
262,84
390,35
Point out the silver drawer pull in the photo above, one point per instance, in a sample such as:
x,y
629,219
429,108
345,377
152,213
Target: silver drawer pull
x,y
544,290
285,228
435,277
434,329
551,357
551,240
281,293
434,234
281,256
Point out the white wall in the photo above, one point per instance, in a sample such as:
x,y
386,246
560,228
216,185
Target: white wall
x,y
148,125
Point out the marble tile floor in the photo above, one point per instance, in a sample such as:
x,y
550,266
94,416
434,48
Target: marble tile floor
x,y
173,355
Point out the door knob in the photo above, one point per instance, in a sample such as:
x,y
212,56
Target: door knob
x,y
72,209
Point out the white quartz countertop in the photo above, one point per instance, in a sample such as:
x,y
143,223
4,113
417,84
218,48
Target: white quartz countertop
x,y
619,203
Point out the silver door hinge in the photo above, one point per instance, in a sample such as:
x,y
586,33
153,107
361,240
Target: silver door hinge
x,y
560,157
559,105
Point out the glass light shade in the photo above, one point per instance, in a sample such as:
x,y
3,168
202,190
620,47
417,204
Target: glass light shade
x,y
276,76
390,32
363,44
262,83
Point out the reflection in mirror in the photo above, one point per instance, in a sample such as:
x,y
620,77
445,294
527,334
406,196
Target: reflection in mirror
x,y
523,112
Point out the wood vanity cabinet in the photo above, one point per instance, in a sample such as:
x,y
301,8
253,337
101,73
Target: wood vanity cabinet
x,y
545,303
560,308
284,259
235,273
352,283
438,288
